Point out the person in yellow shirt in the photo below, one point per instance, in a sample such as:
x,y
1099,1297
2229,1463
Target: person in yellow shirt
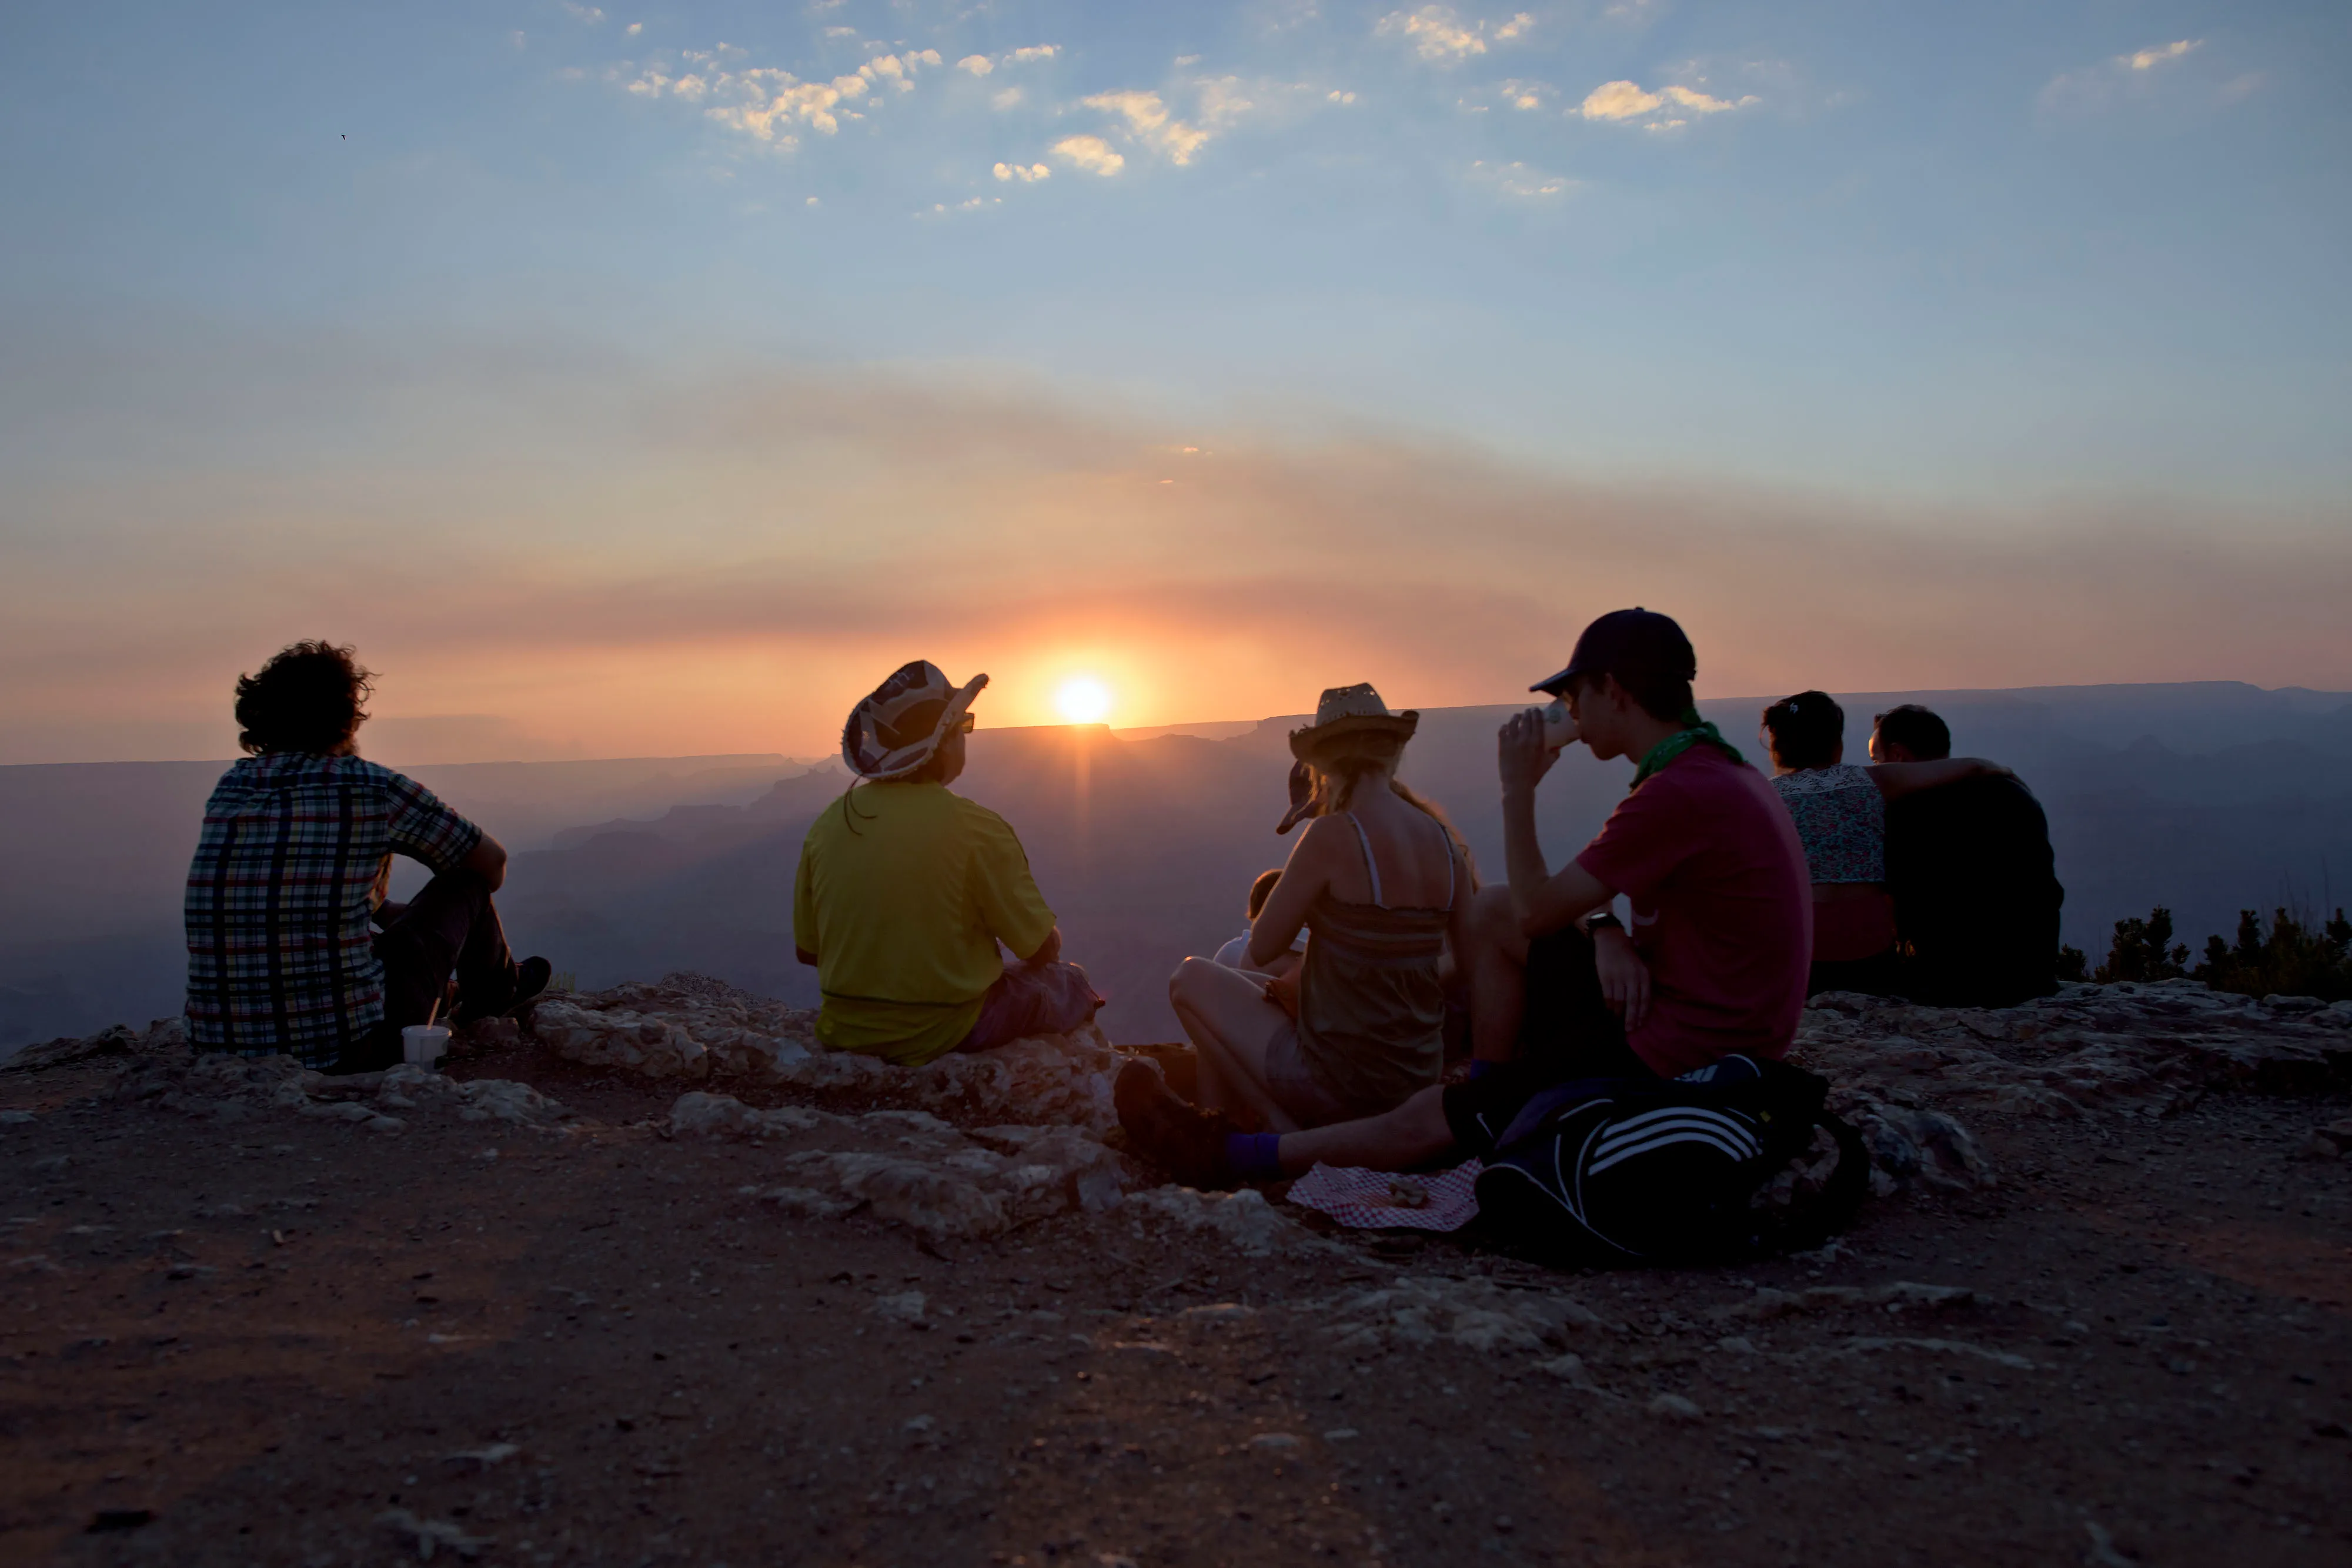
x,y
906,888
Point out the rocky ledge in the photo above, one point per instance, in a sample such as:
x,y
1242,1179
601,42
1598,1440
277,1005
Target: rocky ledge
x,y
976,1147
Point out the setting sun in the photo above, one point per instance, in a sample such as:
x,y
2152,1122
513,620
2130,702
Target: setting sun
x,y
1083,699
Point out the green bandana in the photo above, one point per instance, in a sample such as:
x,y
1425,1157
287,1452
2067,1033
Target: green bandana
x,y
1695,729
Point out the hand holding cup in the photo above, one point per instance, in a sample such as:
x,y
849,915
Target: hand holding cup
x,y
1522,754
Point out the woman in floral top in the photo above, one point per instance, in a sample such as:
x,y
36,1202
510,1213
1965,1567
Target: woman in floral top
x,y
1840,810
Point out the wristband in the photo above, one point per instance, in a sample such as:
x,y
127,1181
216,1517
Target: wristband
x,y
1604,921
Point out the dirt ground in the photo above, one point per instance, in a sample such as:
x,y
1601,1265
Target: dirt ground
x,y
286,1341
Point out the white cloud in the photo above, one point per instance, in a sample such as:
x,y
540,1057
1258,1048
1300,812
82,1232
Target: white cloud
x,y
633,29
1438,33
1091,153
1700,103
1335,96
1622,100
1520,180
1009,97
586,16
1027,176
1523,95
1221,100
2148,60
1149,121
769,105
2136,74
981,65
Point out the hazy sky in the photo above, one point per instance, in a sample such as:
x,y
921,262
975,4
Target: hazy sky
x,y
654,380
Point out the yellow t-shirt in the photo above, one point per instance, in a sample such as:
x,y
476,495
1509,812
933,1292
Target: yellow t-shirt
x,y
904,914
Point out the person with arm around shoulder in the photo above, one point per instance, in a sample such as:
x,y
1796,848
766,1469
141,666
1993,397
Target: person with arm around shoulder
x,y
1840,810
1971,872
906,890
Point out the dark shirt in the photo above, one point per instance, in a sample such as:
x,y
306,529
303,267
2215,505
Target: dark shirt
x,y
1976,893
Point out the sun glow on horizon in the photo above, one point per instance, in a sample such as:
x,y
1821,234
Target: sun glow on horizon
x,y
1083,699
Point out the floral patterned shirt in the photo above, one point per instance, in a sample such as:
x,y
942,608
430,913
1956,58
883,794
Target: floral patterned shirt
x,y
1841,819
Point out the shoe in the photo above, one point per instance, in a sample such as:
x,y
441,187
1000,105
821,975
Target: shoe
x,y
1175,1135
530,977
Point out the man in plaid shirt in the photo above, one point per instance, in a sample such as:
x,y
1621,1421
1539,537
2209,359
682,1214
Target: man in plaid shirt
x,y
292,867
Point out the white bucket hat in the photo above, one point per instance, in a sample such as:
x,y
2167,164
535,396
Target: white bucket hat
x,y
902,721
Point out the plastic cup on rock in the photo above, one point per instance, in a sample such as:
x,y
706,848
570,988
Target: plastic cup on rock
x,y
423,1045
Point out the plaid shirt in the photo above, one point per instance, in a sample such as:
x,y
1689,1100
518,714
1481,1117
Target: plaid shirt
x,y
285,878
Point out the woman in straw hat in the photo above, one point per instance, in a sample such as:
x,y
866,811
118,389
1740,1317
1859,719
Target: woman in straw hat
x,y
1383,883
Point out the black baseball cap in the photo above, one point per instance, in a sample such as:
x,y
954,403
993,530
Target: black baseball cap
x,y
1638,646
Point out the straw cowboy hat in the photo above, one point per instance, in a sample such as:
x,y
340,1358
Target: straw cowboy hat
x,y
1344,714
902,721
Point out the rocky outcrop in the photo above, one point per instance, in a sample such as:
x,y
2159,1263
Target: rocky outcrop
x,y
2141,1049
681,1026
162,1035
913,1169
228,1088
698,1030
972,1147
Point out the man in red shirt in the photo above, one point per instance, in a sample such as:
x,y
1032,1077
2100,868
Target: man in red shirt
x,y
1716,961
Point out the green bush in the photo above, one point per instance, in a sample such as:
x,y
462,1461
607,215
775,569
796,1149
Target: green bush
x,y
2143,950
2292,958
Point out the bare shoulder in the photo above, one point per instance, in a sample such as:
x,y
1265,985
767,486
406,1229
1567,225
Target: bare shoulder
x,y
1315,838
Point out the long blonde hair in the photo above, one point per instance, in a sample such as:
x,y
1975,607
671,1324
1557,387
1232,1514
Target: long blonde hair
x,y
1345,766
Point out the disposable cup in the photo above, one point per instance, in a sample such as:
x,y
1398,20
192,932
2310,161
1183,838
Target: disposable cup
x,y
422,1045
1558,728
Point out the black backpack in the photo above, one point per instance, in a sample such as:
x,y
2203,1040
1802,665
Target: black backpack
x,y
1605,1170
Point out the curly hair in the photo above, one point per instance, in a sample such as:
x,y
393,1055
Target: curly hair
x,y
307,697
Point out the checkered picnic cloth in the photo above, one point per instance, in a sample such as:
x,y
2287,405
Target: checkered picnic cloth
x,y
280,892
1365,1200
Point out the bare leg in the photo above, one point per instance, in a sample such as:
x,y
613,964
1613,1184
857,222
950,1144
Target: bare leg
x,y
1414,1132
1230,1022
1498,967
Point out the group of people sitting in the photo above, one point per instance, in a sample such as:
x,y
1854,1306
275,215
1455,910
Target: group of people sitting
x,y
1691,929
1322,1033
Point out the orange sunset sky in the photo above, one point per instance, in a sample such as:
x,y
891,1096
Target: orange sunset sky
x,y
654,385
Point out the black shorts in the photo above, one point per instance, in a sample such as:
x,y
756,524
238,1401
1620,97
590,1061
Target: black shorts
x,y
1568,1032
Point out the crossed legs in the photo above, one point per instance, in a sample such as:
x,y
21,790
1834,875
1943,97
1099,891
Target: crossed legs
x,y
1231,1023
